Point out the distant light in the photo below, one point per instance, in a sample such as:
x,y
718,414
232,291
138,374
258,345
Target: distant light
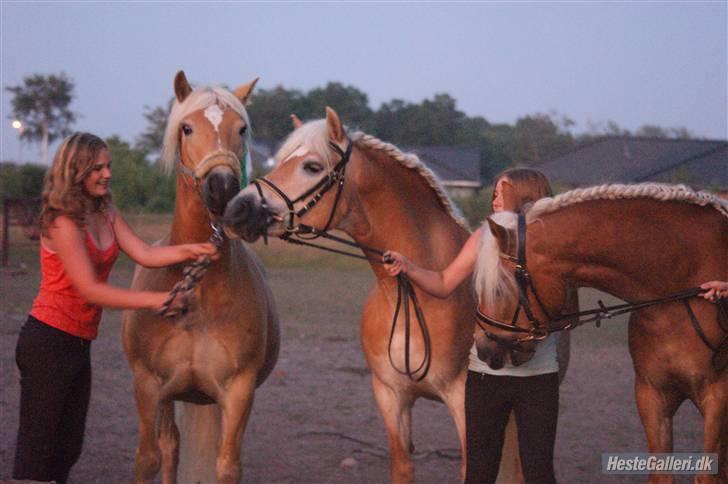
x,y
17,124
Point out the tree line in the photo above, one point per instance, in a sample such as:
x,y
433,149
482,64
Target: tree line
x,y
42,104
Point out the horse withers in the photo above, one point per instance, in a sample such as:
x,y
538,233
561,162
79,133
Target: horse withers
x,y
382,198
215,356
647,244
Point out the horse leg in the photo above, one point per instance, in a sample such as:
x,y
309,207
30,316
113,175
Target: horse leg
x,y
656,409
713,406
396,410
455,401
236,405
148,455
168,442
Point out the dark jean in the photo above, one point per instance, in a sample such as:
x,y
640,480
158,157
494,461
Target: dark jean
x,y
55,387
489,400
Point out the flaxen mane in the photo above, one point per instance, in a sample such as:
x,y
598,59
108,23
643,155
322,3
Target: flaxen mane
x,y
655,191
314,137
492,281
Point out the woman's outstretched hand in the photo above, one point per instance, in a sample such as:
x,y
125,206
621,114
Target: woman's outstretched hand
x,y
715,290
195,251
394,263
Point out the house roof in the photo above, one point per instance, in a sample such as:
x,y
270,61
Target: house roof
x,y
450,163
629,160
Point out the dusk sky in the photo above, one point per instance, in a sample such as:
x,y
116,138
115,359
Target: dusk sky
x,y
635,63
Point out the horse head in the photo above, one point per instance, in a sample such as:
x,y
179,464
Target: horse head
x,y
209,128
305,186
513,319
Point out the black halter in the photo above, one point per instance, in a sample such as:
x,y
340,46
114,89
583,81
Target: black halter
x,y
539,330
302,234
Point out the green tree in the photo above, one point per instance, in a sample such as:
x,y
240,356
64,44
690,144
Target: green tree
x,y
539,136
41,103
21,181
350,103
270,111
136,184
435,121
151,140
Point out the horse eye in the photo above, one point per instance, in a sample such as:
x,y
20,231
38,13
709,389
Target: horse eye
x,y
186,129
243,130
313,167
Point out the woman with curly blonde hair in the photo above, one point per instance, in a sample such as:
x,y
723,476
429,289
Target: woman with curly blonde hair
x,y
81,236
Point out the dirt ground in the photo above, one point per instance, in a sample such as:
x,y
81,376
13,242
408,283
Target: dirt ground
x,y
315,419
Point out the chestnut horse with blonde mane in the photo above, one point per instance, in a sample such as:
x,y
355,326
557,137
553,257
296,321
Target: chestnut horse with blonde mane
x,y
385,199
213,357
642,243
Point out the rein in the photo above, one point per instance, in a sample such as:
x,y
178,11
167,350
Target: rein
x,y
302,234
539,330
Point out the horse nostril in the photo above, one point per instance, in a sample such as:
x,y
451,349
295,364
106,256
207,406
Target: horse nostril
x,y
238,211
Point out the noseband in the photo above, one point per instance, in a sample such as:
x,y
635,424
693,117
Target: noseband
x,y
210,161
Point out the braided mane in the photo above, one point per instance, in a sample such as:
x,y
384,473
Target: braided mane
x,y
654,191
314,136
412,162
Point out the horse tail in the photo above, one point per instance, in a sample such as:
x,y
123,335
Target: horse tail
x,y
199,436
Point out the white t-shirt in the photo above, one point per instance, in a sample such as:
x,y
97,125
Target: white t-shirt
x,y
543,361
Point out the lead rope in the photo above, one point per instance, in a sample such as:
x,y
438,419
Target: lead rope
x,y
405,293
192,274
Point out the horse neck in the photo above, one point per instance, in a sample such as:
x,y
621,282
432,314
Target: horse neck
x,y
191,222
394,208
633,250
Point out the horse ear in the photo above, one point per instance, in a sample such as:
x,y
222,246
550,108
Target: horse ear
x,y
336,131
244,91
182,88
499,232
296,121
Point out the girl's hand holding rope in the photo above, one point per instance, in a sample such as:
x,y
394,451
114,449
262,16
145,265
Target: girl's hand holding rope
x,y
715,290
394,263
181,297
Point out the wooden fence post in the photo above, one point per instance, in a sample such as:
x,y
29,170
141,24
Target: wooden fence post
x,y
6,227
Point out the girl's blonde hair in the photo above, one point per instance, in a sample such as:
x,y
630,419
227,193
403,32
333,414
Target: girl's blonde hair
x,y
63,189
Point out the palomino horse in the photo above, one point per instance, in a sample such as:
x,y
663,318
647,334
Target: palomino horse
x,y
227,344
644,244
390,199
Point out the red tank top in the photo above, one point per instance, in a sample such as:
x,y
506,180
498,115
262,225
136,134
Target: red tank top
x,y
58,304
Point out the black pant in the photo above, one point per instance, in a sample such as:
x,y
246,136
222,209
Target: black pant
x,y
55,387
489,400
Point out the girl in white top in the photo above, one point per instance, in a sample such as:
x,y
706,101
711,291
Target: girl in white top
x,y
530,390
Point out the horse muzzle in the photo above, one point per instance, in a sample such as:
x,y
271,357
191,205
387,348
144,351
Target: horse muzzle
x,y
247,218
220,186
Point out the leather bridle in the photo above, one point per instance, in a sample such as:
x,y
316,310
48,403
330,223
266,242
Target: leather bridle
x,y
539,330
302,234
335,177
